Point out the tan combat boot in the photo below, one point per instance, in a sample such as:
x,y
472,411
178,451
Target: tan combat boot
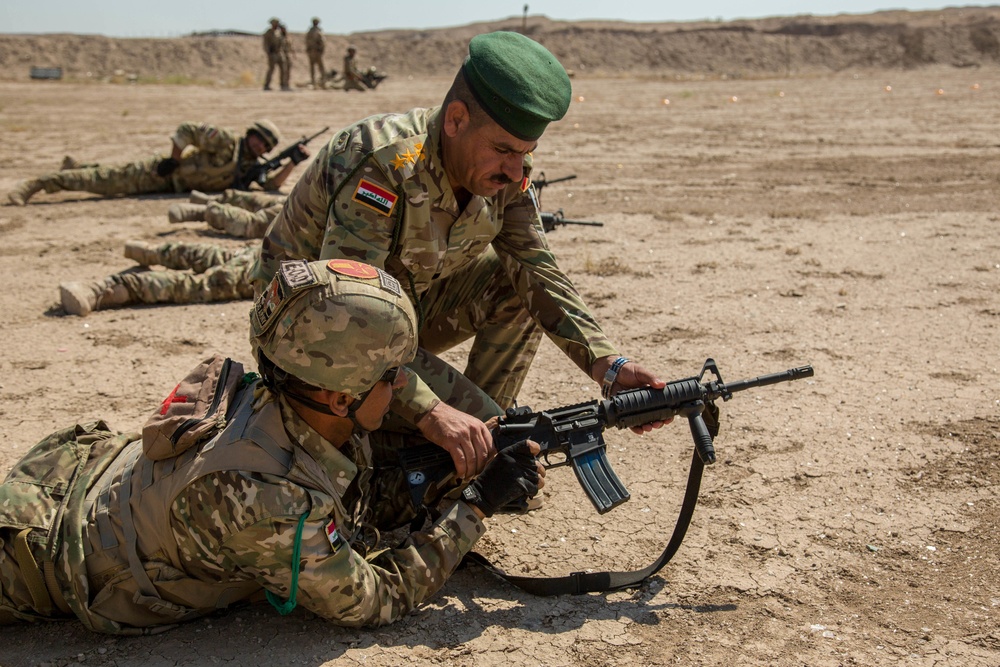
x,y
142,252
198,197
20,195
186,213
80,298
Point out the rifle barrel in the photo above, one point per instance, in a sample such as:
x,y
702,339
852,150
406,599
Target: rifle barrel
x,y
772,378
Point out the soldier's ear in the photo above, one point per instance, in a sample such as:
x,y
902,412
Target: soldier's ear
x,y
338,402
456,118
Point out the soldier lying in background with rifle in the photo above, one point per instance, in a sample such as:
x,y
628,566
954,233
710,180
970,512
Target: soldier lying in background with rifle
x,y
259,172
202,157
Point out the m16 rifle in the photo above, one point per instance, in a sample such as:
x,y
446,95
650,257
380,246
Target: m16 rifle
x,y
574,435
552,220
258,172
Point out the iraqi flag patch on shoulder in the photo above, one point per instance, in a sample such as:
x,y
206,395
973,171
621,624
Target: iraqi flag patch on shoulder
x,y
375,197
333,535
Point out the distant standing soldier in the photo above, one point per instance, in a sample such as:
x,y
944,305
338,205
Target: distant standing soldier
x,y
272,47
286,58
193,273
215,159
315,45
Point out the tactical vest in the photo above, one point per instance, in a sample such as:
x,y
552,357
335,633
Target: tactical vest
x,y
131,572
196,172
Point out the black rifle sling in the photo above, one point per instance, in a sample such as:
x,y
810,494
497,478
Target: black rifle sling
x,y
599,582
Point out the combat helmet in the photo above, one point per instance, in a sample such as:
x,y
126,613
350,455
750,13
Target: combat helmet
x,y
334,324
267,131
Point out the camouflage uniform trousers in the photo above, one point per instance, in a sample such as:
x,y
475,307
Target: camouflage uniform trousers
x,y
244,214
316,63
134,178
276,59
479,302
195,273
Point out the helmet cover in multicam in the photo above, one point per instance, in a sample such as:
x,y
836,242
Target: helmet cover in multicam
x,y
336,324
267,131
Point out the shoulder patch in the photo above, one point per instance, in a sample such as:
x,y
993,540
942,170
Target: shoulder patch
x,y
333,536
296,274
292,277
375,197
351,268
388,283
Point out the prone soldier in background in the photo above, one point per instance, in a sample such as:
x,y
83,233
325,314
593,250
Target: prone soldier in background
x,y
202,157
240,213
192,273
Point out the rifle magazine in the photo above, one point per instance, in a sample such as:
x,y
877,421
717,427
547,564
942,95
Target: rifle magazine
x,y
599,481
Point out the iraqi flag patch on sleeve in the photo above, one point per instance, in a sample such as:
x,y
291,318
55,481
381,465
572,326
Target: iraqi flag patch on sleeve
x,y
375,197
333,535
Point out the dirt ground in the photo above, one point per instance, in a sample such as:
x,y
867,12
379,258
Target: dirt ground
x,y
848,222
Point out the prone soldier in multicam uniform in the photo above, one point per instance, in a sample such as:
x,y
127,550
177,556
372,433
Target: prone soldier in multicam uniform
x,y
133,533
192,273
215,158
240,213
441,199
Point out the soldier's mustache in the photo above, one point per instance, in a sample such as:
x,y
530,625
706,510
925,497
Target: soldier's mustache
x,y
501,179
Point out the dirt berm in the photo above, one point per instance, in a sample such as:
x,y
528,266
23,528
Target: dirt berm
x,y
963,37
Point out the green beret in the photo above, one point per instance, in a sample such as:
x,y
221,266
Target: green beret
x,y
518,82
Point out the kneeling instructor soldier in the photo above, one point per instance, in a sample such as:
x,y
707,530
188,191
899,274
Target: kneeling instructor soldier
x,y
134,533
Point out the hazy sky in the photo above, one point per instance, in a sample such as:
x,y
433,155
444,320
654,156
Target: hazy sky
x,y
168,18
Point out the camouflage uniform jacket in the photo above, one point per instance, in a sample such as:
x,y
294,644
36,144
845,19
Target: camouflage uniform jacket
x,y
152,543
272,41
219,156
314,40
378,193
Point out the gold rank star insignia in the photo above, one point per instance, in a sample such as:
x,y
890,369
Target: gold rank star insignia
x,y
399,161
409,157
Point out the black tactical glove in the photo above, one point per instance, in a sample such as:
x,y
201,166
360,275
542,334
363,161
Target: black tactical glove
x,y
511,476
166,166
298,155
